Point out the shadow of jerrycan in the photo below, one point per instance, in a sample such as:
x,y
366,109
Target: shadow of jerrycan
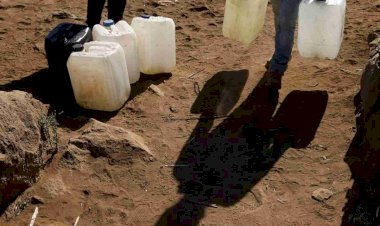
x,y
299,116
217,98
220,94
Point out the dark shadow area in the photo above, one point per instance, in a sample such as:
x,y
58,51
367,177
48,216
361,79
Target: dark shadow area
x,y
54,89
12,192
363,155
363,199
221,166
217,98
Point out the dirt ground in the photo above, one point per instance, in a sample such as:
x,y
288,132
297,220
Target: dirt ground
x,y
316,98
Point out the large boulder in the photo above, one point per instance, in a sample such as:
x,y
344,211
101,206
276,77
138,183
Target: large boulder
x,y
22,153
116,144
363,156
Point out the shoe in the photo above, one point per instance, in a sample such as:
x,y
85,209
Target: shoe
x,y
272,79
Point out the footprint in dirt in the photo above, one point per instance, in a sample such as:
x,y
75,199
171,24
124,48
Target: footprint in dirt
x,y
183,15
193,27
199,9
208,14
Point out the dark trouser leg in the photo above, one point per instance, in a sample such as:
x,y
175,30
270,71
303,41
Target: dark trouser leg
x,y
94,11
116,9
286,15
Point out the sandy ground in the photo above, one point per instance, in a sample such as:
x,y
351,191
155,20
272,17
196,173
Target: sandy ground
x,y
317,98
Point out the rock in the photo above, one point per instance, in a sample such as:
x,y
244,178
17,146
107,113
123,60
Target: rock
x,y
48,19
3,157
69,158
363,156
21,144
156,90
312,83
322,194
173,109
39,46
317,147
115,143
167,2
54,186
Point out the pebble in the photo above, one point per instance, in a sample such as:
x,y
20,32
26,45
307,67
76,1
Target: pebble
x,y
156,90
322,194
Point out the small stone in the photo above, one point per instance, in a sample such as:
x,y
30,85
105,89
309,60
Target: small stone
x,y
312,84
318,147
48,19
37,200
3,157
322,194
39,47
157,90
69,158
151,159
173,109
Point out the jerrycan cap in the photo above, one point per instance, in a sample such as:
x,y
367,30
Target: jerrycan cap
x,y
77,47
145,16
108,23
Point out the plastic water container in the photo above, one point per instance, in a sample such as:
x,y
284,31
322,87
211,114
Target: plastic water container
x,y
99,76
320,29
121,33
244,19
58,47
156,42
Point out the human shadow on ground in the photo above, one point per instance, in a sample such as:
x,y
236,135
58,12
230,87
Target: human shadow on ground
x,y
222,165
217,98
54,89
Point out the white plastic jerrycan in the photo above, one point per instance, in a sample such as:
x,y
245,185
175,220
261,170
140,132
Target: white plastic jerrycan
x,y
244,19
156,41
122,33
99,76
320,28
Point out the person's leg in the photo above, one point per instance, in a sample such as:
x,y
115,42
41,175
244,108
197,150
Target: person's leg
x,y
276,11
94,12
286,20
275,8
116,9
